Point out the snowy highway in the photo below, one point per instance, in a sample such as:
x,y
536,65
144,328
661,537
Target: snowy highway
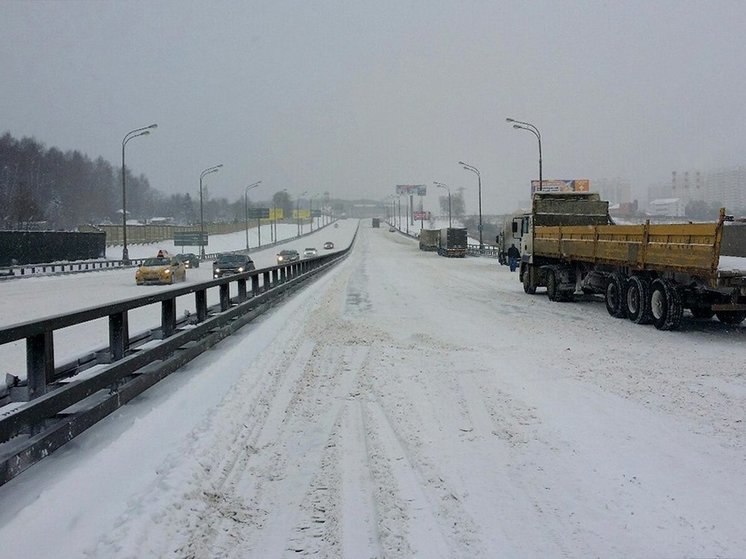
x,y
407,405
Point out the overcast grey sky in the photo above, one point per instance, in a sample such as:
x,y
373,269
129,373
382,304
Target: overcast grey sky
x,y
355,97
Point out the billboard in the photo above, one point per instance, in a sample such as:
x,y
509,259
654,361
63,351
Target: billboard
x,y
421,215
562,185
411,189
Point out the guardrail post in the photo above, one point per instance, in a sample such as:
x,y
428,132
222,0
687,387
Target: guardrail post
x,y
267,280
241,290
200,302
39,363
225,296
168,317
254,285
118,335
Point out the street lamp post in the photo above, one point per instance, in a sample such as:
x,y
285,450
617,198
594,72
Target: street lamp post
x,y
273,226
519,125
297,212
398,211
479,177
391,209
246,208
310,209
441,185
207,171
127,137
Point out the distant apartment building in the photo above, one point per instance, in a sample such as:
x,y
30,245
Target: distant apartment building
x,y
616,191
726,186
688,186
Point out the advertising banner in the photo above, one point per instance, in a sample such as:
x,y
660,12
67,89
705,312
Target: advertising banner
x,y
420,215
411,189
562,185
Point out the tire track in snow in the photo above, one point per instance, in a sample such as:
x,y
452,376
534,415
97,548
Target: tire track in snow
x,y
225,499
316,512
407,514
200,480
303,502
360,515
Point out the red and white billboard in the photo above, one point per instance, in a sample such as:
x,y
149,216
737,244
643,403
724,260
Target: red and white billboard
x,y
561,185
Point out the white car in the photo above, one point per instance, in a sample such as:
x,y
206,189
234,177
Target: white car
x,y
309,252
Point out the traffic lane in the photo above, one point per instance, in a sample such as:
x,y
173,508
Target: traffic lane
x,y
36,298
341,237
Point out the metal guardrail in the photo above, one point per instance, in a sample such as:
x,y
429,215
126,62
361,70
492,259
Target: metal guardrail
x,y
491,251
29,270
51,406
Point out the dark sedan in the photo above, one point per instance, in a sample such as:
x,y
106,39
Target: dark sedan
x,y
226,264
190,260
288,255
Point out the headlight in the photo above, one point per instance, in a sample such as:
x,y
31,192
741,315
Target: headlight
x,y
166,271
279,258
240,269
217,270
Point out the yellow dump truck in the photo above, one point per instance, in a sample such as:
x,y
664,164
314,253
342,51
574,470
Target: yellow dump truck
x,y
647,273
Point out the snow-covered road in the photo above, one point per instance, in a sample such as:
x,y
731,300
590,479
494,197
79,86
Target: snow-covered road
x,y
408,405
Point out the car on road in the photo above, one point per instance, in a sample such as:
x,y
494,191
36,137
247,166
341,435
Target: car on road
x,y
328,245
189,259
287,255
164,268
310,252
392,229
227,264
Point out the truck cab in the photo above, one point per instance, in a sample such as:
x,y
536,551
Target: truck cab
x,y
513,231
555,209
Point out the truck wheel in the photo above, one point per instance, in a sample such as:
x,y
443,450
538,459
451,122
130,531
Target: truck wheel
x,y
702,312
528,287
614,296
731,317
637,299
552,291
665,305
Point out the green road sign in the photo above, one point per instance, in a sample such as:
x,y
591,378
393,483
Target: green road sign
x,y
259,213
189,238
